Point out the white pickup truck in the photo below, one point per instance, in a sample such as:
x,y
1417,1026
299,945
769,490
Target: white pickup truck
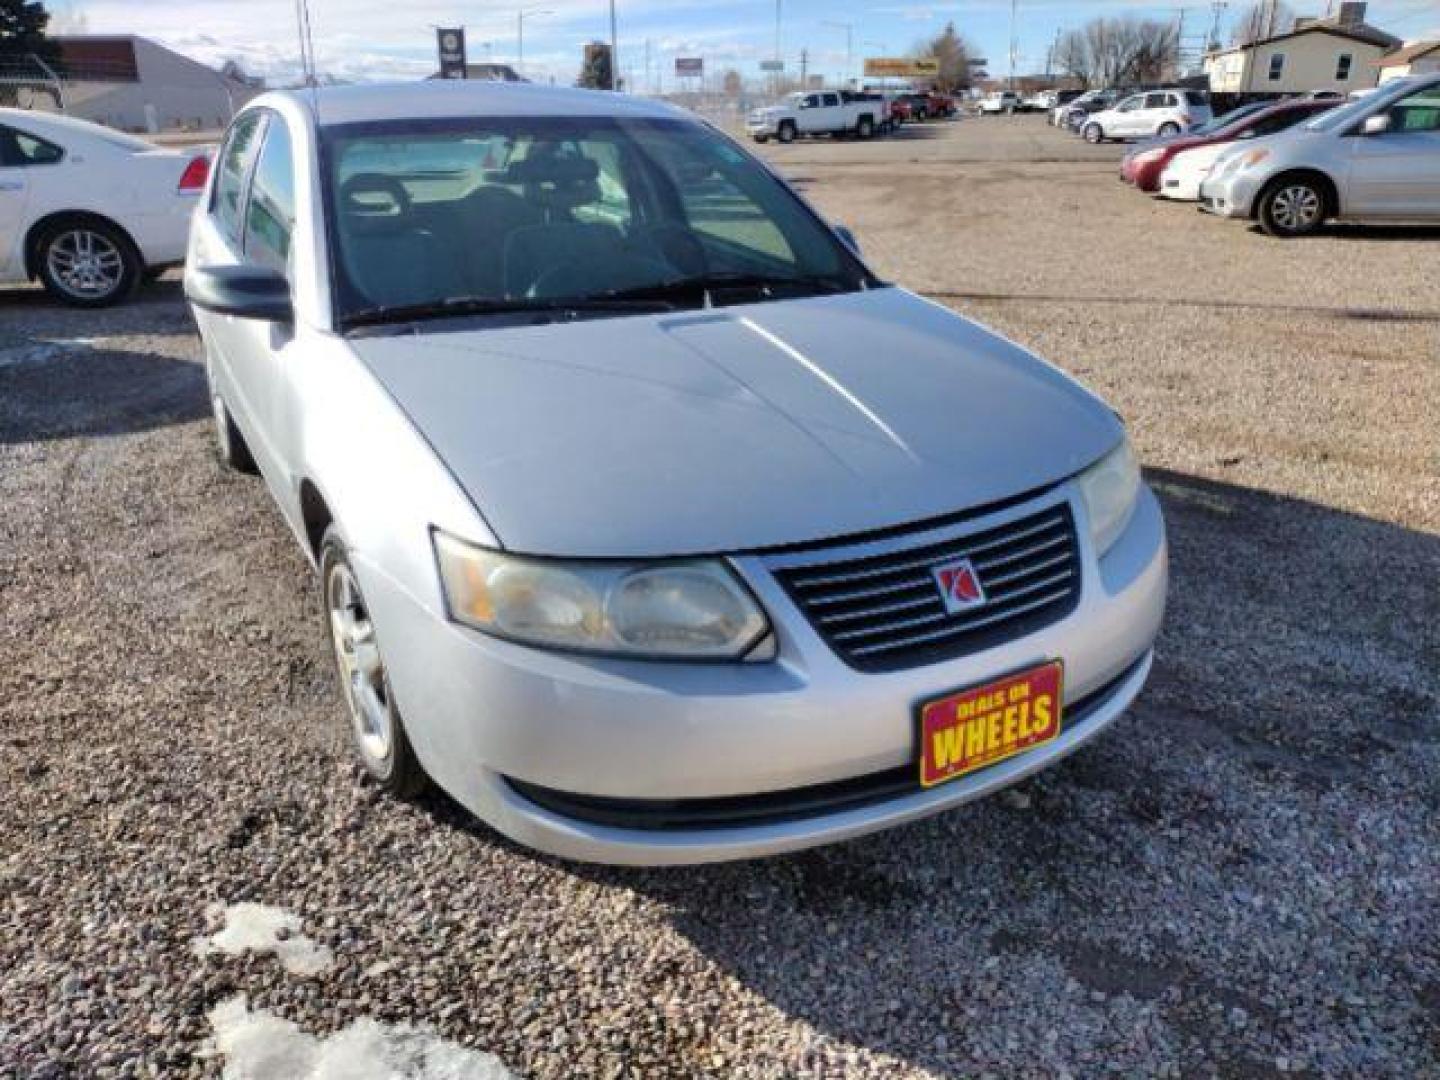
x,y
825,112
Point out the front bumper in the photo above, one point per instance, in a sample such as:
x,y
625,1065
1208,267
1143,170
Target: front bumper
x,y
1230,197
490,719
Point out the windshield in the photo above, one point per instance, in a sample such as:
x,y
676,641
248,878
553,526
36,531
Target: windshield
x,y
510,213
1354,110
1231,117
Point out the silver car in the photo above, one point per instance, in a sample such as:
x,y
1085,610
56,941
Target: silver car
x,y
1377,159
650,524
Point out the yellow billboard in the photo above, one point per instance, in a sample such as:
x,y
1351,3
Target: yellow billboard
x,y
901,67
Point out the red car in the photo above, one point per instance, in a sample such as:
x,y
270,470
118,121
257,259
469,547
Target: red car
x,y
1144,164
900,111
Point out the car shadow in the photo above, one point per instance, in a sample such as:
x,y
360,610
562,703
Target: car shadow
x,y
1294,682
125,391
1349,230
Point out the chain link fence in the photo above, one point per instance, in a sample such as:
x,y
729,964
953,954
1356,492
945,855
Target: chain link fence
x,y
28,82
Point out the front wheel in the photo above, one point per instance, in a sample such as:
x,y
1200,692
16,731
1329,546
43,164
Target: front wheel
x,y
1292,207
377,733
1094,133
1168,130
87,263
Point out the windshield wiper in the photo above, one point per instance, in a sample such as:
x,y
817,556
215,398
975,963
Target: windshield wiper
x,y
459,306
704,286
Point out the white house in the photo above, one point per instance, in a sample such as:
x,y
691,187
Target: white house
x,y
1340,54
1417,58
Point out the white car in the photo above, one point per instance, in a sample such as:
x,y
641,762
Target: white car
x,y
1000,101
1153,114
90,211
1182,177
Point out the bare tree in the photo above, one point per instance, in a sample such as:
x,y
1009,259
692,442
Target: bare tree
x,y
1112,52
1262,19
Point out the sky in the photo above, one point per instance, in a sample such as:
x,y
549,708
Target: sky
x,y
386,39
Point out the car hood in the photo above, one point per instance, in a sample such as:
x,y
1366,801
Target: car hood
x,y
738,428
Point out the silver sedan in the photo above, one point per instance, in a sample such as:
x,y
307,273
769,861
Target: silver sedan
x,y
650,524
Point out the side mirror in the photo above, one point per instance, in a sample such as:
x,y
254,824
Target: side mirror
x,y
847,238
1378,124
247,292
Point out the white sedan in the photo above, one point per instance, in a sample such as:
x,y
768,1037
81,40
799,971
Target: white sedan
x,y
1181,178
89,211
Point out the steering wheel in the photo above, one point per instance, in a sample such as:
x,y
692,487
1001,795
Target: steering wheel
x,y
374,184
618,271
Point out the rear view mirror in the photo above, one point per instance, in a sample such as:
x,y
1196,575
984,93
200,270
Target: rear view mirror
x,y
1376,125
847,238
247,292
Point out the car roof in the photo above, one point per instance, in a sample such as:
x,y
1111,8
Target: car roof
x,y
447,98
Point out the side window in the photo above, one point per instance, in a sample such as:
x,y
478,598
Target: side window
x,y
811,102
1342,67
1418,112
17,149
1157,101
1131,104
270,210
235,159
1277,66
831,100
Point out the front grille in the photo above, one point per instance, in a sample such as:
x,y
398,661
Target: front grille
x,y
884,611
771,807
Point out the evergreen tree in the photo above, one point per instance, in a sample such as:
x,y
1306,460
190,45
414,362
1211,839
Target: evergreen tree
x,y
22,28
595,71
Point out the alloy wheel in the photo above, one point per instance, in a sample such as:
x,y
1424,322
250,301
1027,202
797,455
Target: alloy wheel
x,y
1296,208
362,672
85,263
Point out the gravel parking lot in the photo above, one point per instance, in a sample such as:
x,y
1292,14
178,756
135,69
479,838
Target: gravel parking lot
x,y
1240,880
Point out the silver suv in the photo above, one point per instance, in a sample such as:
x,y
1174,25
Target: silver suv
x,y
1377,158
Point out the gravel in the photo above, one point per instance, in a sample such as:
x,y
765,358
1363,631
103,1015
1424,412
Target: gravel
x,y
1240,880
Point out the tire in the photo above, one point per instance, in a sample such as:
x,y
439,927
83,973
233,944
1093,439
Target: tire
x,y
762,138
377,733
230,445
1094,134
87,263
1293,206
865,128
1168,130
786,133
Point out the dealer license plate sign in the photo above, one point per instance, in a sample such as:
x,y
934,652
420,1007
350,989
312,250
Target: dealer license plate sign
x,y
978,727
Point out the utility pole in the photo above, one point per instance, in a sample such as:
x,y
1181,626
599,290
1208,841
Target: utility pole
x,y
804,67
1014,44
1218,7
614,51
775,75
1180,44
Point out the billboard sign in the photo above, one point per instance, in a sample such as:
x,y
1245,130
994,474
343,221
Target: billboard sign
x,y
901,67
772,65
689,67
451,42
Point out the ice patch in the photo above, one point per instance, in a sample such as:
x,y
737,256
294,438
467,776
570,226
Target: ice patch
x,y
258,1045
265,929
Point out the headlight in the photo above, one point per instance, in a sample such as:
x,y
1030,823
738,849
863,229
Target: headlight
x,y
693,609
1109,488
1254,157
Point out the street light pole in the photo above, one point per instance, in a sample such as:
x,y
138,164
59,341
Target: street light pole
x,y
520,17
849,29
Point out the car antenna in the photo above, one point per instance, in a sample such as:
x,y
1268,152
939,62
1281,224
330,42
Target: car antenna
x,y
307,53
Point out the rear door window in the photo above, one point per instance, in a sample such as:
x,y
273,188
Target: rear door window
x,y
235,161
1157,101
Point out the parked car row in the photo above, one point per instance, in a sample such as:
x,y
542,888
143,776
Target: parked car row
x,y
840,113
1293,165
88,211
